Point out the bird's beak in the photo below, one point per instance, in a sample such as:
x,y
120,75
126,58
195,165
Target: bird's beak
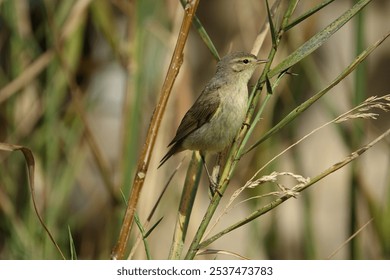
x,y
260,61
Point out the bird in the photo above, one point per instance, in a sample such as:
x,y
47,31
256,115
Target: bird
x,y
216,116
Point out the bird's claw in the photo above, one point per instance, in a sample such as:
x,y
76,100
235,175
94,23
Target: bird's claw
x,y
214,188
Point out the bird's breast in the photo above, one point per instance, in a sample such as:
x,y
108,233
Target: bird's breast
x,y
220,131
233,109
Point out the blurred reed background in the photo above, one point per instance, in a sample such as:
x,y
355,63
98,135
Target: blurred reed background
x,y
79,81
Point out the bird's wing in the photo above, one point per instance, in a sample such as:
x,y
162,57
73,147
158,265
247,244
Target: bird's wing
x,y
201,112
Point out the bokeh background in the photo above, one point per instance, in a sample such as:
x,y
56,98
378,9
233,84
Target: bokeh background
x,y
79,81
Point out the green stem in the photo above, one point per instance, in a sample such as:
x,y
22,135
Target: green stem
x,y
186,205
231,161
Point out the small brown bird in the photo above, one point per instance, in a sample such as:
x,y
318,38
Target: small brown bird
x,y
214,119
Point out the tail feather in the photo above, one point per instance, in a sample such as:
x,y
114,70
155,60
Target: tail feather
x,y
176,148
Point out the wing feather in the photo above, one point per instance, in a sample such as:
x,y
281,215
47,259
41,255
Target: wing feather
x,y
201,112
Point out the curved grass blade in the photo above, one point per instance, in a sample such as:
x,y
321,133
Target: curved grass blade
x,y
271,25
29,158
151,214
298,110
152,228
73,253
142,230
307,14
203,33
317,40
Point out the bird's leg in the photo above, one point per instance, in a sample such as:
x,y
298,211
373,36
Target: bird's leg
x,y
217,167
213,185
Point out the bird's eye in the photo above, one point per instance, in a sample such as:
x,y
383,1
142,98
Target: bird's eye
x,y
246,61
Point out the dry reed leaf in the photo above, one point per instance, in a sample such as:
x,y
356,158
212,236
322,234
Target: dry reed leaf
x,y
29,158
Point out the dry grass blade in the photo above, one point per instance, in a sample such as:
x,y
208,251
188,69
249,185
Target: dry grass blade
x,y
27,76
297,189
373,102
349,239
29,157
75,16
271,178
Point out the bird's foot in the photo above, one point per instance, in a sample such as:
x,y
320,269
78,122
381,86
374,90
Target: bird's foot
x,y
214,187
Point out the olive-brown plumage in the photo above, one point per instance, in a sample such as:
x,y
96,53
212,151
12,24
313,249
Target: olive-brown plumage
x,y
216,116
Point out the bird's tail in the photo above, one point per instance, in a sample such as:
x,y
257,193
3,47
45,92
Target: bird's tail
x,y
176,148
